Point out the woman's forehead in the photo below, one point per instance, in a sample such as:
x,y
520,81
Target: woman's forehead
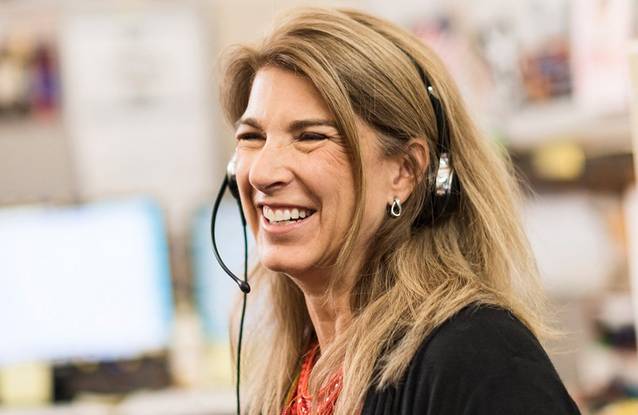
x,y
278,94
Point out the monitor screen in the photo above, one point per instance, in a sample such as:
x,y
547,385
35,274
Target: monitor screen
x,y
89,282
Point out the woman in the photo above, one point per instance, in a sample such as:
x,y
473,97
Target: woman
x,y
393,275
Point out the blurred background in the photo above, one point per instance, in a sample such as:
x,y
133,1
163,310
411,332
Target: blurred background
x,y
112,148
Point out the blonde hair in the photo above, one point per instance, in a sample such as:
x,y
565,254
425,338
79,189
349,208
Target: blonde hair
x,y
413,279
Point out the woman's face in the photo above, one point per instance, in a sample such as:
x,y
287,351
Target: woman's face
x,y
295,178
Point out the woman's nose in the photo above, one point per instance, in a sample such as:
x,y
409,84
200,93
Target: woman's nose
x,y
270,169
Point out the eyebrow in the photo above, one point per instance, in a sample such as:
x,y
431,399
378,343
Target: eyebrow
x,y
293,126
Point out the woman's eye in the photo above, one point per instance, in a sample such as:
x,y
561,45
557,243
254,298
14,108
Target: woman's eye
x,y
312,137
249,136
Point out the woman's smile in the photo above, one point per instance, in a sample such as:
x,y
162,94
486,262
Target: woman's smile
x,y
282,219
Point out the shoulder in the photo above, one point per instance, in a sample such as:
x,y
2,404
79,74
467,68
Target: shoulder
x,y
482,360
479,338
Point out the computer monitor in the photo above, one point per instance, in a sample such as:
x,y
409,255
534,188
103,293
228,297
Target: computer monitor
x,y
89,282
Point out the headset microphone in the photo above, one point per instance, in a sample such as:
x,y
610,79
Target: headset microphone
x,y
230,182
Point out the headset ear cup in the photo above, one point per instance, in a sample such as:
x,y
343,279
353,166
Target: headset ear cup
x,y
445,205
231,168
438,206
232,186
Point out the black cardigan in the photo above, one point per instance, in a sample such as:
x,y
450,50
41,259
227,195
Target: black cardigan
x,y
481,361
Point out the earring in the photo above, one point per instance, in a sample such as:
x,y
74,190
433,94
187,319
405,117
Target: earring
x,y
394,210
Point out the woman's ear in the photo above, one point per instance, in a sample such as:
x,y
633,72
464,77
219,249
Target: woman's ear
x,y
410,168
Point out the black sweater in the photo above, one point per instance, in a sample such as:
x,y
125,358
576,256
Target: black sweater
x,y
481,361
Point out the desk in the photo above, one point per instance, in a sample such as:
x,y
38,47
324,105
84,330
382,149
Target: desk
x,y
164,402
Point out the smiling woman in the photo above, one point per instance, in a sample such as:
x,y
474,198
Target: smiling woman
x,y
392,263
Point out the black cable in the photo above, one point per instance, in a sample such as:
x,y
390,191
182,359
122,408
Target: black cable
x,y
243,285
243,315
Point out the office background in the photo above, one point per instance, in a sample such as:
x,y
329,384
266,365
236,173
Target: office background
x,y
112,148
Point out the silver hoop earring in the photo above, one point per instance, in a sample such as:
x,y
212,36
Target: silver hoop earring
x,y
395,208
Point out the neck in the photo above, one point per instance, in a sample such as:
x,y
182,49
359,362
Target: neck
x,y
329,318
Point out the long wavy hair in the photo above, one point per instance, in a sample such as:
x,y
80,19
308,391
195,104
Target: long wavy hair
x,y
412,279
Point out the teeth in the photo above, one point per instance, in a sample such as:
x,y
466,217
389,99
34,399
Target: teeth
x,y
283,215
268,213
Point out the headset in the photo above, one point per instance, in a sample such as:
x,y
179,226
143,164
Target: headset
x,y
444,194
441,201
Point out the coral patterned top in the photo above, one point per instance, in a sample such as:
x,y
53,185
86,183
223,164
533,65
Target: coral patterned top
x,y
300,401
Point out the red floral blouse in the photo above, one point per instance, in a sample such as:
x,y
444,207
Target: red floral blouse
x,y
300,402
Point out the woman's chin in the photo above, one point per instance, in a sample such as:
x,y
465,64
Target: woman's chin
x,y
286,258
277,264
